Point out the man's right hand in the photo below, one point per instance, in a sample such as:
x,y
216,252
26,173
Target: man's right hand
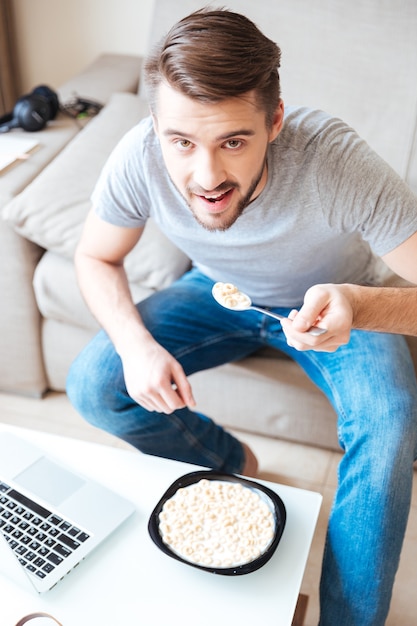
x,y
155,379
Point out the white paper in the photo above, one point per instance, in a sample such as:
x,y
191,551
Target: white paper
x,y
13,148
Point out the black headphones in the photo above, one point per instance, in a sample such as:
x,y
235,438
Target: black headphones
x,y
32,111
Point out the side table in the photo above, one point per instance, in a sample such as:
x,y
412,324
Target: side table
x,y
127,580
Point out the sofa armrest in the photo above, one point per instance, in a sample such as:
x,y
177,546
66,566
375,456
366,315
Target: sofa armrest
x,y
21,361
108,74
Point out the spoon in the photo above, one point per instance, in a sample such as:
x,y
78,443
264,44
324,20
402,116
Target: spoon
x,y
229,297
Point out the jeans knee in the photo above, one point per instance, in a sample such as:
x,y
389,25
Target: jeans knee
x,y
80,388
94,381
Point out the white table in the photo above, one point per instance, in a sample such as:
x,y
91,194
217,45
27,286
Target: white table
x,y
129,581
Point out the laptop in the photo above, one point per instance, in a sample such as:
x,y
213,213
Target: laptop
x,y
51,517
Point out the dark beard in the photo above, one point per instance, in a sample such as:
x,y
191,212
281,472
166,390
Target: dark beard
x,y
244,202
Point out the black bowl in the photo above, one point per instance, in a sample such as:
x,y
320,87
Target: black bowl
x,y
276,505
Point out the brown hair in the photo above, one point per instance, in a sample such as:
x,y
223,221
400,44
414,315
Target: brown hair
x,y
212,55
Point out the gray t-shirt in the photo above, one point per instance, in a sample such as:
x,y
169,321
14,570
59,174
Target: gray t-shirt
x,y
329,206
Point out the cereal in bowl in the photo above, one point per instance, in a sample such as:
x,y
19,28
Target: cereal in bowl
x,y
217,523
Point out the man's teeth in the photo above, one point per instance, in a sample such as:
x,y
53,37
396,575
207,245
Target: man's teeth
x,y
214,198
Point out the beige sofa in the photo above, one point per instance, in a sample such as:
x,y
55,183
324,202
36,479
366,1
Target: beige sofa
x,y
356,60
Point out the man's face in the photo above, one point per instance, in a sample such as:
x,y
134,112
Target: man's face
x,y
215,154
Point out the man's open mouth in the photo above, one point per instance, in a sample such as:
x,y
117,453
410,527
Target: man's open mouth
x,y
215,198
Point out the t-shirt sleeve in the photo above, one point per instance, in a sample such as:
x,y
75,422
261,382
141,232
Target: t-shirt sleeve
x,y
120,196
361,192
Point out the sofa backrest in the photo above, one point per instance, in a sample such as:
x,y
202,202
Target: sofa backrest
x,y
356,60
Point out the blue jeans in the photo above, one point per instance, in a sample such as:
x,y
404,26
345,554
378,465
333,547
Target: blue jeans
x,y
371,384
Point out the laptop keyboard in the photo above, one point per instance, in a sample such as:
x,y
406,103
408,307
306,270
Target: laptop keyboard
x,y
40,539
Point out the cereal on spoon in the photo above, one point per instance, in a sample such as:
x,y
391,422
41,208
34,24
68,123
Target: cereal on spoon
x,y
229,296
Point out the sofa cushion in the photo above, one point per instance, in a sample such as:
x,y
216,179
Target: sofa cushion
x,y
52,139
67,305
107,74
51,210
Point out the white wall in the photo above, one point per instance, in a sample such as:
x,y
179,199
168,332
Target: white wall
x,y
57,38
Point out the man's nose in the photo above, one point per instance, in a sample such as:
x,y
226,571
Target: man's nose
x,y
209,171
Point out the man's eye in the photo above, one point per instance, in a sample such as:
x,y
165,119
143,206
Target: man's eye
x,y
184,144
234,143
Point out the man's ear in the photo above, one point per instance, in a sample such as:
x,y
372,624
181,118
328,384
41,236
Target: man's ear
x,y
277,121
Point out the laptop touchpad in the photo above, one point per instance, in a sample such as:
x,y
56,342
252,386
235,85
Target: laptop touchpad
x,y
49,481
